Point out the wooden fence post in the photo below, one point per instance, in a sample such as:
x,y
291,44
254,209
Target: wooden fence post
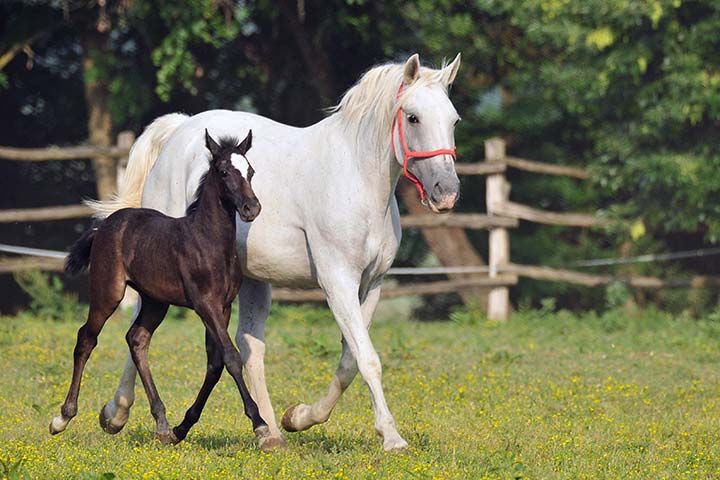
x,y
125,140
496,195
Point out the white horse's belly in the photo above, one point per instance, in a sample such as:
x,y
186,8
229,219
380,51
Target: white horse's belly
x,y
274,252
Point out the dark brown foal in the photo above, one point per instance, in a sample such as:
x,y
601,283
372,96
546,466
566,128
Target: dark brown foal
x,y
191,262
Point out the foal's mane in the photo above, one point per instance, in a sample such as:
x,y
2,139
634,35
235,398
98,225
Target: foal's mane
x,y
227,145
374,99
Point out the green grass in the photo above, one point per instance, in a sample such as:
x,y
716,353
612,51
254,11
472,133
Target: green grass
x,y
547,395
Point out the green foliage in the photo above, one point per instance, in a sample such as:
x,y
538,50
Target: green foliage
x,y
468,315
616,295
48,300
192,22
11,470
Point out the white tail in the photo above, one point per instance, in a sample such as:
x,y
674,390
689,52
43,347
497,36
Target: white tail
x,y
143,154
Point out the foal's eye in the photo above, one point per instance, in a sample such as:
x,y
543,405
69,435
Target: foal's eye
x,y
413,119
224,173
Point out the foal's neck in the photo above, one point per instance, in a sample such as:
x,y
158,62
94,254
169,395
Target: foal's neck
x,y
214,214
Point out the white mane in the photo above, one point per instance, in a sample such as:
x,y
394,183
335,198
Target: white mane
x,y
373,100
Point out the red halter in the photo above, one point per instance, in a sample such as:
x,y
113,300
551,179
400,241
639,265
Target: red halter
x,y
410,154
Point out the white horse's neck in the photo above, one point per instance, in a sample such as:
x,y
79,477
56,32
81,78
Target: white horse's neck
x,y
370,154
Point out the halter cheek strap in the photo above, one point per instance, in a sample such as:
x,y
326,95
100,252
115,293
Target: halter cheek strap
x,y
408,154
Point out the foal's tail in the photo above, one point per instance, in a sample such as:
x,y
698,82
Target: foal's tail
x,y
78,259
143,154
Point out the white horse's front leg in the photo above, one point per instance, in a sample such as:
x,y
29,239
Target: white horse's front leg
x,y
342,297
254,299
302,416
114,414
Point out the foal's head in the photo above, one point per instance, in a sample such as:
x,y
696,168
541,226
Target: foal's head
x,y
235,173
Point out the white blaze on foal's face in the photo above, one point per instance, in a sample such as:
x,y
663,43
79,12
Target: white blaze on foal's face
x,y
241,164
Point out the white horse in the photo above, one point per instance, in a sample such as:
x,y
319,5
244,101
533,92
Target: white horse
x,y
329,218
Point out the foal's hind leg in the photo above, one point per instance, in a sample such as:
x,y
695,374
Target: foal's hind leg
x,y
138,339
106,294
214,371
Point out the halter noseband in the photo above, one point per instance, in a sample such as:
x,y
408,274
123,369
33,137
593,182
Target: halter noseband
x,y
408,154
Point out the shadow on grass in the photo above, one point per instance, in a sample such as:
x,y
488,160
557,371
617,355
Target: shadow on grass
x,y
139,435
333,444
222,440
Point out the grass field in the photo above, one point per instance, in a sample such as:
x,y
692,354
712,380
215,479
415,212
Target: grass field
x,y
547,395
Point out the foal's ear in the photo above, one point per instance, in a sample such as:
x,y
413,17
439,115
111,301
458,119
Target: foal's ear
x,y
411,71
211,144
244,145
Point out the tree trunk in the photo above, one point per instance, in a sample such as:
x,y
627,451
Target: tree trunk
x,y
99,118
450,245
312,54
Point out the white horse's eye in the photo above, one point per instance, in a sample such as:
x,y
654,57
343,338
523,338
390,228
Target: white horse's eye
x,y
457,121
413,119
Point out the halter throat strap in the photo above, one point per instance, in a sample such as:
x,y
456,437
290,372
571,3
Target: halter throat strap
x,y
408,154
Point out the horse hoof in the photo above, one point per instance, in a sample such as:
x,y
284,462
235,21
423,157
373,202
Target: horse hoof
x,y
166,438
179,434
107,425
272,444
398,446
286,421
55,428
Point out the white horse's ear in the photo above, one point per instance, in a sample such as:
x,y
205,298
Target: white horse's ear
x,y
411,70
451,70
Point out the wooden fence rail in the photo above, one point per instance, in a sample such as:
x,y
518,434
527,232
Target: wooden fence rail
x,y
502,214
61,153
45,213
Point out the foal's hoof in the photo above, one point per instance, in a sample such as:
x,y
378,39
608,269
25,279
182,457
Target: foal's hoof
x,y
286,421
57,426
166,438
270,443
106,423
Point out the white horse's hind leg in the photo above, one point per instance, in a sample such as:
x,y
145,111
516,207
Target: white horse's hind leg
x,y
114,414
301,416
254,306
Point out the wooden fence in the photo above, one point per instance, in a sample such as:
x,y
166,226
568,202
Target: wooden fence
x,y
502,215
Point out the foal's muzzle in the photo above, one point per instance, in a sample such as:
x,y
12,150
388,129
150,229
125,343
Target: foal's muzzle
x,y
249,210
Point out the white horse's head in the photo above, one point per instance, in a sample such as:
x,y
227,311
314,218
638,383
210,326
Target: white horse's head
x,y
427,121
428,118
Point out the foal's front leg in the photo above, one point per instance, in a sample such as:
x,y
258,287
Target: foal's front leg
x,y
138,339
215,321
213,373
